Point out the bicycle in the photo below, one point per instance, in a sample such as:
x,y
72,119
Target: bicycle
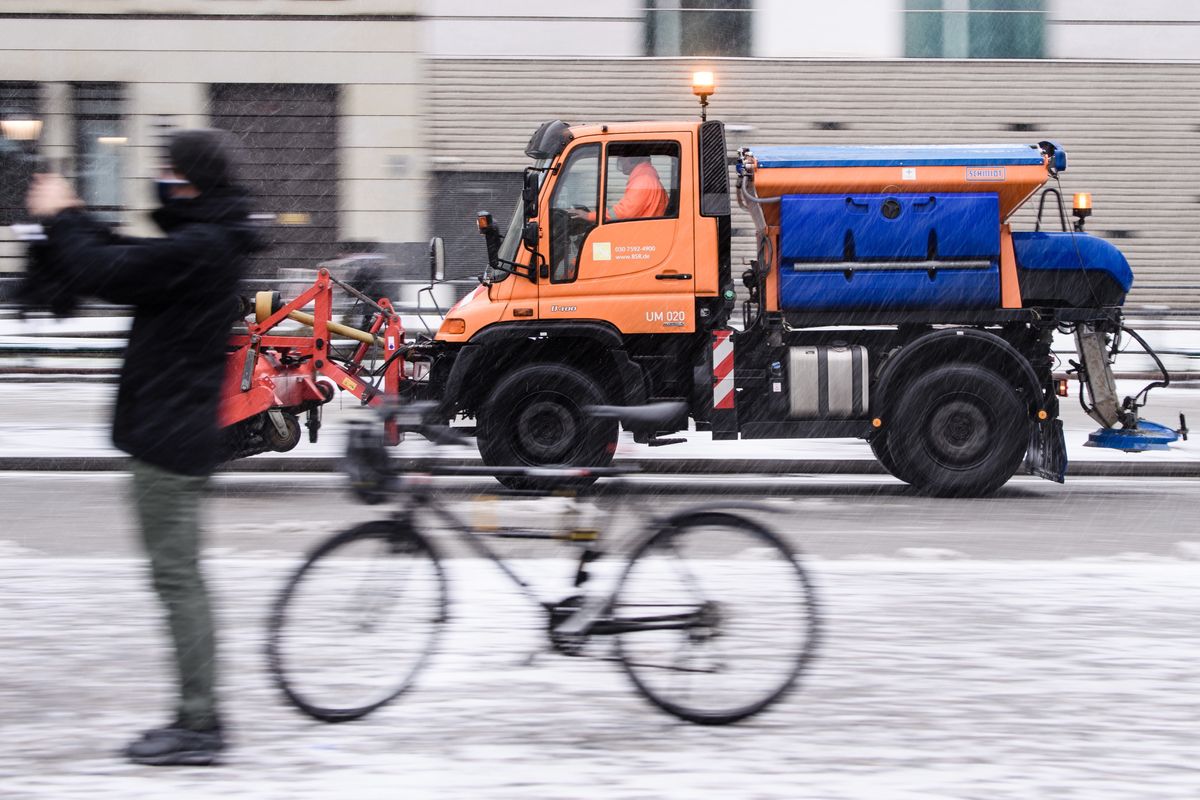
x,y
681,617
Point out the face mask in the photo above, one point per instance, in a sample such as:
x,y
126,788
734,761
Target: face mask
x,y
163,187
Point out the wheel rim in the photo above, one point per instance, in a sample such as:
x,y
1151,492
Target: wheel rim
x,y
959,432
357,625
547,429
754,621
282,444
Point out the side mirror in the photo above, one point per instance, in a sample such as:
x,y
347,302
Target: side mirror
x,y
529,193
437,260
491,237
529,235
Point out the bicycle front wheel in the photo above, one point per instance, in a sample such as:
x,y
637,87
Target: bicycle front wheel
x,y
716,617
357,621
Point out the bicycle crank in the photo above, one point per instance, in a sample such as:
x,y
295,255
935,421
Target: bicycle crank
x,y
569,644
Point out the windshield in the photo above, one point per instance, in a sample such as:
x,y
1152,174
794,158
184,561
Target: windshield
x,y
512,237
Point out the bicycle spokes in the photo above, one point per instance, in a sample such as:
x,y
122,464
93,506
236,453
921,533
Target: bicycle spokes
x,y
714,619
357,622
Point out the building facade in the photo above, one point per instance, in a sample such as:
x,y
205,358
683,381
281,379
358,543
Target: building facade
x,y
1126,127
387,121
1151,30
323,94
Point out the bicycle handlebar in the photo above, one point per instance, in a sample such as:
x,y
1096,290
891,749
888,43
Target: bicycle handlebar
x,y
374,475
417,418
440,434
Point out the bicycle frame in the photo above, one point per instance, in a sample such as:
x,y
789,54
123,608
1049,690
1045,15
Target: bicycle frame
x,y
591,618
664,575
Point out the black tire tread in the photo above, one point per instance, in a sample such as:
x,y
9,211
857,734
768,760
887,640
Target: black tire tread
x,y
1006,450
494,434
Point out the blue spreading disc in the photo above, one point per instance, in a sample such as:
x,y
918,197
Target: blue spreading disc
x,y
1146,436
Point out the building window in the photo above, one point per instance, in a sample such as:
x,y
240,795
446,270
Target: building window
x,y
20,119
974,28
698,27
100,145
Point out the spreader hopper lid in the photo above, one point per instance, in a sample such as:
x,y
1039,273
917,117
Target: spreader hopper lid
x,y
933,155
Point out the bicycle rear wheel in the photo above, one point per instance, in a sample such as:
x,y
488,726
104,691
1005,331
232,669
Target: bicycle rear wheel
x,y
357,621
717,617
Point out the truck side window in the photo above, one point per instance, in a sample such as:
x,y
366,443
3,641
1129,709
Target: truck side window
x,y
573,211
642,182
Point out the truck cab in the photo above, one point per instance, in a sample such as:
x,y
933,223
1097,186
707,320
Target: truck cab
x,y
641,273
588,297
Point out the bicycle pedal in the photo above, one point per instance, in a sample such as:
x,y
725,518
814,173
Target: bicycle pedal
x,y
533,656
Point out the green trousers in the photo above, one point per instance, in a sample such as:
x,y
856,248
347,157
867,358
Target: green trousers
x,y
168,509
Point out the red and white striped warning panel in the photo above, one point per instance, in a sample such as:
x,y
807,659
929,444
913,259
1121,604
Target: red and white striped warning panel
x,y
722,369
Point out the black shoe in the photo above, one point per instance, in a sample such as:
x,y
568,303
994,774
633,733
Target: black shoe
x,y
170,747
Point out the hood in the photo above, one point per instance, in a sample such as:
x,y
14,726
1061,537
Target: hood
x,y
228,206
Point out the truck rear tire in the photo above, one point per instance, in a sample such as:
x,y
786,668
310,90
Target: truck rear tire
x,y
958,430
534,418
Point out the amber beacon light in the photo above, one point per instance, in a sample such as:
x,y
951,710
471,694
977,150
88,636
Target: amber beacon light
x,y
1083,208
703,87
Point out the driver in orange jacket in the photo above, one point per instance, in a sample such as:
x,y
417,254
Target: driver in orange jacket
x,y
644,193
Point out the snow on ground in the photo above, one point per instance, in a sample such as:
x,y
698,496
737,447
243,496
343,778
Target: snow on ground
x,y
70,419
55,419
934,680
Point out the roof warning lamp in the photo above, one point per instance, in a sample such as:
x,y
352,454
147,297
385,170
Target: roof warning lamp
x,y
1082,209
703,87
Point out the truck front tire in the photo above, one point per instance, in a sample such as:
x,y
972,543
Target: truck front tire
x,y
534,417
958,430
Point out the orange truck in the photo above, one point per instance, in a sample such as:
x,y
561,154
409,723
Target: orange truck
x,y
889,300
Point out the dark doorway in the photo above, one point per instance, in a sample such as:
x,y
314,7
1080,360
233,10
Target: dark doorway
x,y
456,199
288,134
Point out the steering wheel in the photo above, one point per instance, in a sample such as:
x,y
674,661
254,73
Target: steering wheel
x,y
579,225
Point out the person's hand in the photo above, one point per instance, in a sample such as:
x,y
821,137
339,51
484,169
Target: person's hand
x,y
579,212
49,194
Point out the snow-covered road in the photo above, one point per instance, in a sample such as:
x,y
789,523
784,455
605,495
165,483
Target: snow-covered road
x,y
943,679
63,420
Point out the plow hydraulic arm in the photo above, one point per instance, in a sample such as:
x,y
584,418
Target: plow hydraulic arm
x,y
272,378
267,303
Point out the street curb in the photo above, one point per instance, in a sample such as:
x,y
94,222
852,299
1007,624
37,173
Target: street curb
x,y
649,466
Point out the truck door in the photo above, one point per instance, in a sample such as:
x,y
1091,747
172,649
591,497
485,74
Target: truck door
x,y
620,238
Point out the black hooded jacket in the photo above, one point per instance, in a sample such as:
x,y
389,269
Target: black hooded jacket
x,y
184,289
